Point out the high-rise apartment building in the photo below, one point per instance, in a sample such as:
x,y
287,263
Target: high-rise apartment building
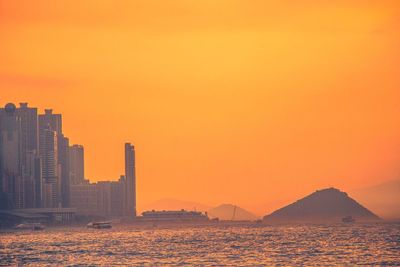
x,y
11,180
55,168
50,168
52,120
77,164
63,160
84,198
130,176
30,160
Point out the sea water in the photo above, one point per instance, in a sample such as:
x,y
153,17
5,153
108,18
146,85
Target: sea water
x,y
219,245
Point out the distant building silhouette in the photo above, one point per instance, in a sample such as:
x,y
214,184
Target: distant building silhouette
x,y
63,159
51,179
58,178
39,169
10,144
106,198
130,177
84,198
52,120
103,198
77,164
30,160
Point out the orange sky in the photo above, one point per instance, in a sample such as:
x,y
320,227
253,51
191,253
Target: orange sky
x,y
250,102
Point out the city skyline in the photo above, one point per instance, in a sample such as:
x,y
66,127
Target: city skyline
x,y
41,172
49,125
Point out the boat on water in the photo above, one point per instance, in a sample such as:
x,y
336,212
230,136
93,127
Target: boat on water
x,y
99,225
29,226
348,219
173,216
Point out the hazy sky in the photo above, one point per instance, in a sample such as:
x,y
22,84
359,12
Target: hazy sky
x,y
250,102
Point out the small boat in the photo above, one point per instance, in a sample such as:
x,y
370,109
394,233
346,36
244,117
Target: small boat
x,y
99,225
29,226
348,219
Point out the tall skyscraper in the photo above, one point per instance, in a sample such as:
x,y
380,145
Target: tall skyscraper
x,y
130,176
63,159
55,174
49,118
77,164
11,182
30,160
50,168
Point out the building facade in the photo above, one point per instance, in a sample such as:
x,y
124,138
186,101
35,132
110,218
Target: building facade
x,y
83,197
50,168
130,177
77,164
63,160
103,198
54,152
30,160
12,185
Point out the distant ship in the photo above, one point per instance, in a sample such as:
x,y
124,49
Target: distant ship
x,y
29,226
99,225
174,216
348,219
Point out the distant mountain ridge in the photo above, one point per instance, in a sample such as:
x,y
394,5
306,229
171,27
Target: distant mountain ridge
x,y
326,205
229,212
384,198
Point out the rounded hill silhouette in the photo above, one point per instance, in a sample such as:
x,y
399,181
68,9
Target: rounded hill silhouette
x,y
326,205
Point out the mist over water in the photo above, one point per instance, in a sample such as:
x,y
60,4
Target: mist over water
x,y
310,245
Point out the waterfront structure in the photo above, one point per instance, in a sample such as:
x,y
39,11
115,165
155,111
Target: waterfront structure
x,y
40,170
83,197
77,164
104,198
118,197
130,176
173,216
55,216
110,196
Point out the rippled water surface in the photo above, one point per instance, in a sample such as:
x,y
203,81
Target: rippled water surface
x,y
323,245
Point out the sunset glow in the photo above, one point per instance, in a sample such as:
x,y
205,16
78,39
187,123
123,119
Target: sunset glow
x,y
254,103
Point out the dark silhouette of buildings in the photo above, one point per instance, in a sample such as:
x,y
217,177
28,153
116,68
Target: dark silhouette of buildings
x,y
108,198
39,170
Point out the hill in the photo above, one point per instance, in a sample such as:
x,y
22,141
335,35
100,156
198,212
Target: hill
x,y
231,212
327,205
384,199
